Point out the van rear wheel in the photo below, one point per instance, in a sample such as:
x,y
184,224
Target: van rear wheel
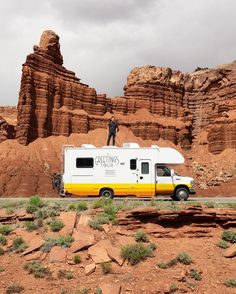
x,y
181,194
106,193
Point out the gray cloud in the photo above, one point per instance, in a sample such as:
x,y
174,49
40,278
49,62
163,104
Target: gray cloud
x,y
103,40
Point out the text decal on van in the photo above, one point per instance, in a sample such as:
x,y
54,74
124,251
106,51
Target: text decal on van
x,y
107,160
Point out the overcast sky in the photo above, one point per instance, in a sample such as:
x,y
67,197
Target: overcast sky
x,y
102,40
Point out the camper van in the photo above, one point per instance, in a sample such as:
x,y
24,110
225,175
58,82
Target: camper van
x,y
130,170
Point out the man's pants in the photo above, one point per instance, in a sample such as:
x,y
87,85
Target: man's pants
x,y
113,135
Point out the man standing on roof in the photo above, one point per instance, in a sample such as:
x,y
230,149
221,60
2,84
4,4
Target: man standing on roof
x,y
113,128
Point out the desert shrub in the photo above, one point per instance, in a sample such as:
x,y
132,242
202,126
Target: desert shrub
x,y
71,206
101,202
223,244
77,259
41,214
19,245
173,288
229,236
134,253
56,225
184,258
35,202
106,267
36,269
5,229
162,265
152,246
196,275
165,265
1,251
2,269
98,291
97,222
65,274
3,240
30,226
64,241
231,283
210,204
14,288
141,237
81,206
9,211
53,211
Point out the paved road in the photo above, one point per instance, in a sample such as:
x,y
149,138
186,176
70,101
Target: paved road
x,y
191,199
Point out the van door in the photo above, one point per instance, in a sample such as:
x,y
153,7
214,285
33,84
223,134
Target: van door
x,y
164,181
145,185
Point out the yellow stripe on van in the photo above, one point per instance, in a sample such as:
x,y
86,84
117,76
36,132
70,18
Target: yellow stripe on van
x,y
140,190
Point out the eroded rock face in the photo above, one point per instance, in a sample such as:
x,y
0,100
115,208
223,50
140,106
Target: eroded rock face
x,y
53,101
7,131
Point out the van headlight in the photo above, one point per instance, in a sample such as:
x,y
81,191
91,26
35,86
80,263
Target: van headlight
x,y
192,183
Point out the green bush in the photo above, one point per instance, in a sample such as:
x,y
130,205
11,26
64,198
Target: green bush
x,y
71,206
196,275
141,237
56,225
98,291
14,288
41,214
106,267
97,222
3,240
5,229
101,202
134,253
19,245
223,244
77,259
81,206
35,202
64,241
173,288
30,226
184,258
152,246
229,236
36,269
231,283
65,274
165,265
53,211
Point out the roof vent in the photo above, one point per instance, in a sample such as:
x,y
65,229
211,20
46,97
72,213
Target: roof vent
x,y
130,145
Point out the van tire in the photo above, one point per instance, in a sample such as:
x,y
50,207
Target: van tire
x,y
106,193
181,194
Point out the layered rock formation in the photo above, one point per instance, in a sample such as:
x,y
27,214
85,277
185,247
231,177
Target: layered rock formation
x,y
53,101
7,131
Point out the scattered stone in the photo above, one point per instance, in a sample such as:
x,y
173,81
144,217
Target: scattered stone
x,y
58,254
69,220
110,288
231,251
34,256
83,240
84,219
125,240
89,269
114,254
98,253
106,228
34,244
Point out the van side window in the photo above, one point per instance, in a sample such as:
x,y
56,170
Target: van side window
x,y
84,162
133,164
145,168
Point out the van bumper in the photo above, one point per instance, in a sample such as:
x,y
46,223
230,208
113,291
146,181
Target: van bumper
x,y
192,191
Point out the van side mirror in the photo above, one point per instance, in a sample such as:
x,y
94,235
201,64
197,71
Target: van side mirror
x,y
172,172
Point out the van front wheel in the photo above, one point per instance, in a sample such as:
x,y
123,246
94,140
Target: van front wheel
x,y
181,194
106,193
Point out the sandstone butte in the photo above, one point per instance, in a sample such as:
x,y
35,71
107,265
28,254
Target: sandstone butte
x,y
193,112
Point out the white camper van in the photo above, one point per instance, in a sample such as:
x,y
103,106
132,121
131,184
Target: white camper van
x,y
121,171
